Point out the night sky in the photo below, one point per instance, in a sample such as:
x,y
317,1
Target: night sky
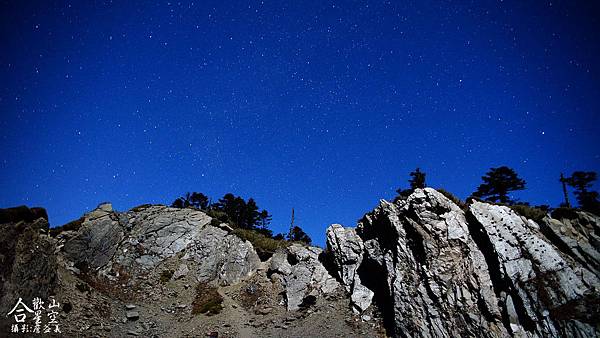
x,y
317,105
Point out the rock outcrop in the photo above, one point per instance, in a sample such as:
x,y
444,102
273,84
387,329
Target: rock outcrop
x,y
436,270
140,239
421,266
302,275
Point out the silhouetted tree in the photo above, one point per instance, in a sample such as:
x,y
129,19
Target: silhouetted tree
x,y
229,209
563,180
250,214
182,202
178,203
497,183
279,237
264,219
232,206
582,181
417,180
199,201
298,235
196,200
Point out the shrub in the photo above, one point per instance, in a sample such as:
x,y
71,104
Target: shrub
x,y
219,215
451,197
564,213
264,246
534,213
141,207
207,300
166,275
73,225
298,235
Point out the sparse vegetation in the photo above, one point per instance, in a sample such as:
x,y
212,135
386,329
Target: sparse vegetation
x,y
298,235
166,275
73,225
451,197
534,213
564,213
207,301
265,246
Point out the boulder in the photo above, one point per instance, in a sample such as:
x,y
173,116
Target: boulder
x,y
302,275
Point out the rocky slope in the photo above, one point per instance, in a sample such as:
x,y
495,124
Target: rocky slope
x,y
419,267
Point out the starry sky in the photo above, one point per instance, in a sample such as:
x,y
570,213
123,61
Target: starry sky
x,y
321,106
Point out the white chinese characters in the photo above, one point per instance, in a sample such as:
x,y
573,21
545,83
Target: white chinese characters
x,y
42,319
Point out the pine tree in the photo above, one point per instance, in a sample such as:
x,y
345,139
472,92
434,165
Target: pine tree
x,y
417,180
298,235
498,182
198,200
564,182
582,181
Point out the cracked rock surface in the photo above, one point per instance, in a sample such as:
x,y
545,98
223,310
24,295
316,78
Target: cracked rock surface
x,y
437,270
140,239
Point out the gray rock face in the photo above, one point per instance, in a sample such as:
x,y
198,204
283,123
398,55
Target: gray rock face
x,y
221,257
438,271
144,237
576,234
546,292
97,240
302,275
347,249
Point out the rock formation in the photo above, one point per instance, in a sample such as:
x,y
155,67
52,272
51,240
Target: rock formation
x,y
421,266
439,271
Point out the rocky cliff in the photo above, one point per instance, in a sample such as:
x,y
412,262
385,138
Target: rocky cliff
x,y
438,270
419,267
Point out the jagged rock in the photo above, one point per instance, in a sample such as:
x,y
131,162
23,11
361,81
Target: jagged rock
x,y
98,238
432,268
439,271
437,281
535,277
347,249
302,274
22,214
576,234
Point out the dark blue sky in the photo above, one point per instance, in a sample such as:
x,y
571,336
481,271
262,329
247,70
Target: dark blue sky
x,y
318,105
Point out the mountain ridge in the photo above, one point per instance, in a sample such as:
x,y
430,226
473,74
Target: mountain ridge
x,y
416,267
